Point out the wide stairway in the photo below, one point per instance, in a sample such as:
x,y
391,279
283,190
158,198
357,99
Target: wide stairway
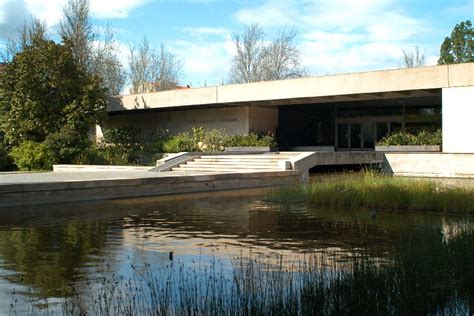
x,y
237,163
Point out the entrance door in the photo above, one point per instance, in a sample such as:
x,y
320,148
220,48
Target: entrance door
x,y
368,135
356,136
349,136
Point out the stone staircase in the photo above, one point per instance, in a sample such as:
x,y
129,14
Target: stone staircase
x,y
237,163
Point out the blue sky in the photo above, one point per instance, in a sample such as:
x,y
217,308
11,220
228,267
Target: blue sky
x,y
336,36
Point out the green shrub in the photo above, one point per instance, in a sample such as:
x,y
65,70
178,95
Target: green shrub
x,y
67,144
252,140
123,146
403,137
212,140
127,137
178,143
30,155
92,155
6,162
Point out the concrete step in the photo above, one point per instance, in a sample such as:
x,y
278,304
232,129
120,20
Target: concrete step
x,y
233,162
229,166
194,169
244,157
241,160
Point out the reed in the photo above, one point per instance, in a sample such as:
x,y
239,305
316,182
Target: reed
x,y
378,191
436,278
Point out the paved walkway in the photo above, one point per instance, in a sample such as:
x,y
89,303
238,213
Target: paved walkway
x,y
47,177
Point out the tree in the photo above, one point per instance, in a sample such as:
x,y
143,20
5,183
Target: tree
x,y
43,92
33,29
152,70
415,58
459,48
255,60
94,52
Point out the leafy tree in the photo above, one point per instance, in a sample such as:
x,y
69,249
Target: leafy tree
x,y
259,59
43,92
459,48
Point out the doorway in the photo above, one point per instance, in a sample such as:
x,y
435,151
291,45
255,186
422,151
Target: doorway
x,y
363,134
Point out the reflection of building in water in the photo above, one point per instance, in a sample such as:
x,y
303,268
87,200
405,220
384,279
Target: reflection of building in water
x,y
453,229
203,229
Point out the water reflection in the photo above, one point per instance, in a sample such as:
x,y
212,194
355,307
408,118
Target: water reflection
x,y
51,249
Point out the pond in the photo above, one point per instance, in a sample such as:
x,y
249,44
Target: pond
x,y
62,256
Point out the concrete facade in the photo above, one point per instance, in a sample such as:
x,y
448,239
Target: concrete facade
x,y
458,114
314,89
230,120
430,165
258,107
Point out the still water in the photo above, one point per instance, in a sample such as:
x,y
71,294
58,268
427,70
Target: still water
x,y
46,251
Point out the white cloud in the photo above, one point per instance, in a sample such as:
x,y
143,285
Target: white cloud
x,y
198,31
272,13
343,35
203,61
12,17
111,9
50,11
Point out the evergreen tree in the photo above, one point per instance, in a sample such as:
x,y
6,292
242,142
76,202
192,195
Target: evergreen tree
x,y
459,48
46,96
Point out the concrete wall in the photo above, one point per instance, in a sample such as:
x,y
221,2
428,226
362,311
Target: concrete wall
x,y
231,120
458,114
430,165
263,119
434,77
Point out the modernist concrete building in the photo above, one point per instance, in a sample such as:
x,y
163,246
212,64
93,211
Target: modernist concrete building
x,y
340,112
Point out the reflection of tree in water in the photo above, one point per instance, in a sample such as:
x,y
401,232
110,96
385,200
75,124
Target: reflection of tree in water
x,y
47,259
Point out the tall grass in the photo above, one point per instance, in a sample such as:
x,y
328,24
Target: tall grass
x,y
378,191
437,278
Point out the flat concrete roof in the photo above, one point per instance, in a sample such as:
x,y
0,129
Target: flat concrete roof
x,y
383,84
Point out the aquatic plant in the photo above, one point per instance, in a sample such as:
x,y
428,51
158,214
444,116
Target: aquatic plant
x,y
437,278
379,191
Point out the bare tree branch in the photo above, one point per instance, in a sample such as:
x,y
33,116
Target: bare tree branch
x,y
32,30
152,70
76,30
257,60
415,58
94,52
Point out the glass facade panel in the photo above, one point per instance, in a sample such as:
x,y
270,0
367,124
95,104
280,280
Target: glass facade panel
x,y
343,135
382,130
356,133
368,135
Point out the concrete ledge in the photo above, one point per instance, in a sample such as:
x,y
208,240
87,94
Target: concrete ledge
x,y
247,149
311,159
313,148
430,165
97,168
422,148
87,190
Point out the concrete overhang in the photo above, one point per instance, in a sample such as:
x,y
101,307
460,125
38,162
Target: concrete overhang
x,y
383,84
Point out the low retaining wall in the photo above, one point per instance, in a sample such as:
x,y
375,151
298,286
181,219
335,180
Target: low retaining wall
x,y
97,168
409,148
87,190
430,165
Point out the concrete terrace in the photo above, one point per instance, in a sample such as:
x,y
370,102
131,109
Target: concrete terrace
x,y
183,174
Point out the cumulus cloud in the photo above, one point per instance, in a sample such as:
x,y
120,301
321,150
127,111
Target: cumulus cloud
x,y
14,12
343,35
203,60
12,17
